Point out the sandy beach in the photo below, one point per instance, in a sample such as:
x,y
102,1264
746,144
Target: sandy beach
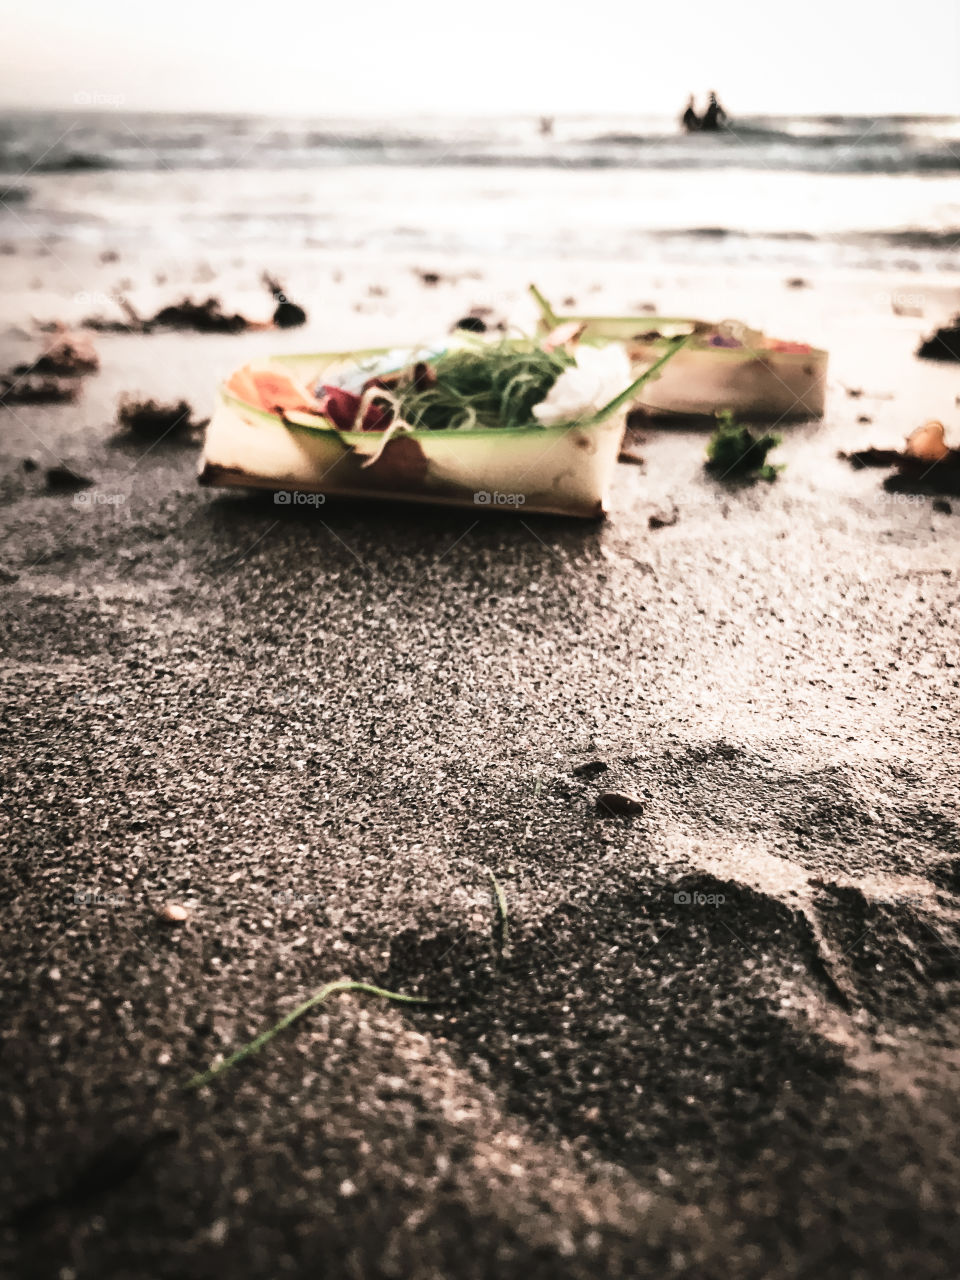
x,y
716,1039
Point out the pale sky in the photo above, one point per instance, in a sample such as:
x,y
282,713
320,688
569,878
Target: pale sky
x,y
469,57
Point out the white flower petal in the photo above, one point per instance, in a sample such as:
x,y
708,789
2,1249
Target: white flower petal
x,y
599,375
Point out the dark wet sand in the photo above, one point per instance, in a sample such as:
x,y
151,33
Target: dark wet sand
x,y
321,731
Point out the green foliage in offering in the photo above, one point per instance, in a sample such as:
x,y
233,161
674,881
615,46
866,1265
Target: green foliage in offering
x,y
734,451
488,386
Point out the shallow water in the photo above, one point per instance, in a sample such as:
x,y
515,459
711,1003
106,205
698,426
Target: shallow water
x,y
811,192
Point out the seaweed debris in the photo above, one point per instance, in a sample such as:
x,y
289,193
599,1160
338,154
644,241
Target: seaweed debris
x,y
38,390
734,451
926,463
287,314
153,421
63,479
943,343
54,377
70,355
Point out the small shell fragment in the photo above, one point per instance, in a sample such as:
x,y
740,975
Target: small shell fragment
x,y
617,802
565,335
928,443
173,913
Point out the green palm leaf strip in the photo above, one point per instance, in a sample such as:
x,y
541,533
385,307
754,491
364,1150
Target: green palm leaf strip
x,y
549,315
625,397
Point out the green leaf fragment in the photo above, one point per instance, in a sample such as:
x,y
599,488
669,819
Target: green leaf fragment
x,y
501,900
735,451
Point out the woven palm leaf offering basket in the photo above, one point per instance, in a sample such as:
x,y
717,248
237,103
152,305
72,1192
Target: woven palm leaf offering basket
x,y
518,425
724,366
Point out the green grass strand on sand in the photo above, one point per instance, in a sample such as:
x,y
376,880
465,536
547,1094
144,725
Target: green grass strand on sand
x,y
501,900
319,997
331,988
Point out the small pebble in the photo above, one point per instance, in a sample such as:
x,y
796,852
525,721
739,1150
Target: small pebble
x,y
218,1231
173,913
288,315
617,802
663,520
472,324
63,480
590,768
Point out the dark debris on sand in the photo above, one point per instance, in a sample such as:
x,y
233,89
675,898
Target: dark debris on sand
x,y
611,803
185,316
943,344
472,324
926,464
871,457
481,319
287,314
634,436
590,769
63,479
198,317
55,376
151,420
69,355
32,389
663,519
208,316
914,476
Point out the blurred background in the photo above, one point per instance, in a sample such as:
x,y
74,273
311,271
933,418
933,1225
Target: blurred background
x,y
494,130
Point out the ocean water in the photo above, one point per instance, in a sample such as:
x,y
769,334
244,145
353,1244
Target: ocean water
x,y
802,191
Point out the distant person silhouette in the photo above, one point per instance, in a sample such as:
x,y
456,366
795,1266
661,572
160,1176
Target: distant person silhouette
x,y
690,120
714,116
